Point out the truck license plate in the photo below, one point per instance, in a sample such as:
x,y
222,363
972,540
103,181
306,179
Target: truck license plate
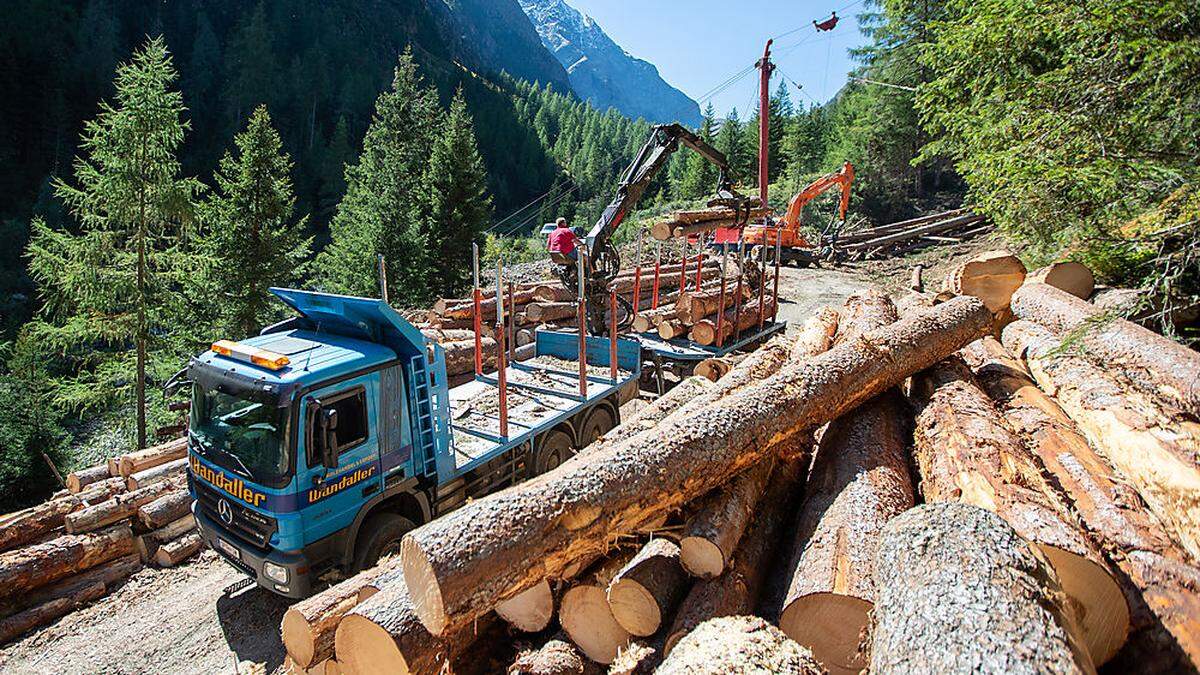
x,y
229,548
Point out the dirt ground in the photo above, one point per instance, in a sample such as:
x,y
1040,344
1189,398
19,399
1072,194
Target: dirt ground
x,y
202,618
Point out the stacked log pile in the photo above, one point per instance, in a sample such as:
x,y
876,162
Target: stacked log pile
x,y
112,519
949,227
547,305
1046,518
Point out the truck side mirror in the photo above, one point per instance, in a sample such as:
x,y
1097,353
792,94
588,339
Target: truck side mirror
x,y
329,445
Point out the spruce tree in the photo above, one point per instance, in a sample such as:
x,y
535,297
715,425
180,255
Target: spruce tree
x,y
700,175
730,142
109,286
251,239
385,207
461,208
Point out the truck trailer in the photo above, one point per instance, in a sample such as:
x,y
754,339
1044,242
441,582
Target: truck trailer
x,y
314,446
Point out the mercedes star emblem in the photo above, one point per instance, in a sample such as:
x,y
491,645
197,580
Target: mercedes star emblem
x,y
225,511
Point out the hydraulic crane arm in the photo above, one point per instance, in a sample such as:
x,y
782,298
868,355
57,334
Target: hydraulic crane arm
x,y
664,140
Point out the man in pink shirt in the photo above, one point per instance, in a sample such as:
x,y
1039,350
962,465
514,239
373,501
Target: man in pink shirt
x,y
562,239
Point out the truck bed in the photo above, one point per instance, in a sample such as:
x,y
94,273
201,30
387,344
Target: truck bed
x,y
542,392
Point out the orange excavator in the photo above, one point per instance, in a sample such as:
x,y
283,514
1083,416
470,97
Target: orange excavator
x,y
793,247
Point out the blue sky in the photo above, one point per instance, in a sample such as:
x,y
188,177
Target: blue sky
x,y
697,44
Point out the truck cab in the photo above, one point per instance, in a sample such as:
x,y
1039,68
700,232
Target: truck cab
x,y
314,446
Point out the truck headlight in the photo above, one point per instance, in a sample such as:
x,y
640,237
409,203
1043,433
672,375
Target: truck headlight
x,y
275,572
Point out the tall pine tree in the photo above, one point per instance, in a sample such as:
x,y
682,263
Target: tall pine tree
x,y
385,208
460,206
700,176
108,288
251,238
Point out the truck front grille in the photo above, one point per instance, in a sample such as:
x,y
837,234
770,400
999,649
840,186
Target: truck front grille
x,y
249,526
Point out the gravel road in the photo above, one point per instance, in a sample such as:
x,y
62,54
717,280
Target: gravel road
x,y
199,618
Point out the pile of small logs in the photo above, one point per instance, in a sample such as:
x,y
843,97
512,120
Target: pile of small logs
x,y
1005,479
112,519
947,227
712,314
545,305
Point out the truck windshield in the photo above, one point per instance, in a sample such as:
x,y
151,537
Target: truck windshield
x,y
244,436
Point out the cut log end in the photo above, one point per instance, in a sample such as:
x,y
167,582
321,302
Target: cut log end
x,y
298,638
361,641
833,626
639,612
586,617
424,589
701,557
1072,277
531,610
1099,604
738,644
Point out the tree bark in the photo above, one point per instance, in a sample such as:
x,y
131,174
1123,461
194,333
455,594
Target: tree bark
x,y
645,592
78,480
557,657
1072,277
51,602
1158,580
693,306
157,474
127,465
540,312
738,645
967,453
118,508
959,591
165,509
1152,445
308,627
147,544
705,331
714,529
176,551
737,590
1159,366
713,369
641,657
461,564
857,483
460,356
40,564
443,336
32,523
992,277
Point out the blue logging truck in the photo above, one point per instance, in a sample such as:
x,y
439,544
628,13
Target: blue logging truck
x,y
317,444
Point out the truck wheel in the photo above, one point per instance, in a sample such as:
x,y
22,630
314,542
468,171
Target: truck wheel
x,y
553,449
598,423
378,538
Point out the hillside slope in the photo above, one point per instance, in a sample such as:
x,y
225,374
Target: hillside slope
x,y
602,72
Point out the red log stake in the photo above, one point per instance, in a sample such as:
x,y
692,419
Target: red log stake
x,y
612,334
478,321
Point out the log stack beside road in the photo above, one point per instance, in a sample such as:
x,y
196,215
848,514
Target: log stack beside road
x,y
77,547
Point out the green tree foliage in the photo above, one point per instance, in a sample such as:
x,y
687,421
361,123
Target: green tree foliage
x,y
460,208
27,431
252,240
700,176
385,211
731,141
108,286
1068,117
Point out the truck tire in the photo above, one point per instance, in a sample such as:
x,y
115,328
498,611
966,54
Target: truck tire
x,y
599,422
379,537
553,449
